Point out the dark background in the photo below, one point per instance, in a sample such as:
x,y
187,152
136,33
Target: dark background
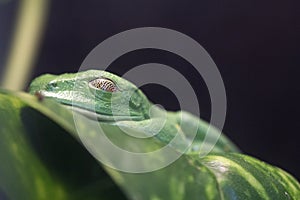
x,y
255,45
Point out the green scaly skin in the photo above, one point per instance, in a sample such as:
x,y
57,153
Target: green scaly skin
x,y
129,103
223,174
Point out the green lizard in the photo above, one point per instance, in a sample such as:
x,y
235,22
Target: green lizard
x,y
109,98
115,102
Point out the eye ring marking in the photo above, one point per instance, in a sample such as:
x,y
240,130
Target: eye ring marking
x,y
104,84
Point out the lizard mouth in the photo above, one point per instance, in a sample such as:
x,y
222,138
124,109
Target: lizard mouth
x,y
102,117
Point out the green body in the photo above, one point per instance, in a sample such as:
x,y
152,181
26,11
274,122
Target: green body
x,y
223,174
128,107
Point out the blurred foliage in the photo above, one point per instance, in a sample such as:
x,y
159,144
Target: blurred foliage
x,y
28,32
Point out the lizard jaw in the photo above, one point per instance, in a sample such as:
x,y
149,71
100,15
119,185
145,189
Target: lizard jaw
x,y
103,118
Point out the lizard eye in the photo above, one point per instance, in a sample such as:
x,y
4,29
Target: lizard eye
x,y
103,84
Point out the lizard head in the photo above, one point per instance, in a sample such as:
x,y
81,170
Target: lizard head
x,y
95,93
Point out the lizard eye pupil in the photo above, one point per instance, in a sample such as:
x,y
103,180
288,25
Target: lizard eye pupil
x,y
103,84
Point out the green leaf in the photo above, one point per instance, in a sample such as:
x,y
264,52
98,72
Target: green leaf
x,y
228,176
43,158
40,160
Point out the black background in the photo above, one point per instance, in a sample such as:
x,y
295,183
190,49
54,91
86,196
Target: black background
x,y
255,45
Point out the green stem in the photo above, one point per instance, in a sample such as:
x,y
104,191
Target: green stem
x,y
24,47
